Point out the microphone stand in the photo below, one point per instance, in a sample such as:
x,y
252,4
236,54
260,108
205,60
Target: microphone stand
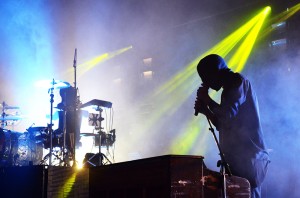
x,y
221,163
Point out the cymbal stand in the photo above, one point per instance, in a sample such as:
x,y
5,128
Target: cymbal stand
x,y
99,133
3,115
51,122
75,109
64,149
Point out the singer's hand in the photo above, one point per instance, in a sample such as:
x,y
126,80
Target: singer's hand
x,y
200,107
202,94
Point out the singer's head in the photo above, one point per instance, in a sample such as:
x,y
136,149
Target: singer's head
x,y
211,69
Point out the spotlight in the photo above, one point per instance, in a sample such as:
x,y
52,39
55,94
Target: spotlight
x,y
279,26
278,43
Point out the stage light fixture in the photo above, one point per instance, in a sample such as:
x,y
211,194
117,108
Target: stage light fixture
x,y
279,43
280,26
279,22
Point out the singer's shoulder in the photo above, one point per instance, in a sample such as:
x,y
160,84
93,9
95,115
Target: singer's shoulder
x,y
235,80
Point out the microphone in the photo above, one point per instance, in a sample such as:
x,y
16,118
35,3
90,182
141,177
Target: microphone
x,y
196,109
203,86
75,58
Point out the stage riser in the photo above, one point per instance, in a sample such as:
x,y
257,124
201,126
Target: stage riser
x,y
157,177
67,182
165,176
30,181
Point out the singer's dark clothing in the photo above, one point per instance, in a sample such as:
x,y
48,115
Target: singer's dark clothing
x,y
241,135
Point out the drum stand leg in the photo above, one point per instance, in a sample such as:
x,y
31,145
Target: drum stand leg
x,y
65,150
96,159
50,129
49,155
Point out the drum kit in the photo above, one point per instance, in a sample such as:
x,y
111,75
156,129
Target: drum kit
x,y
26,148
16,149
21,149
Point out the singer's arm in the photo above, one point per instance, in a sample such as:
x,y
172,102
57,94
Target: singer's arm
x,y
211,104
204,104
234,95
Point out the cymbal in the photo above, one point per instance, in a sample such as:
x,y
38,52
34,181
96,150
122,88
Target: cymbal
x,y
11,107
38,128
13,118
4,106
88,134
56,84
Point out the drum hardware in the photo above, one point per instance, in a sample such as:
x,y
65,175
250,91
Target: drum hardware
x,y
107,139
66,128
18,149
96,159
75,108
101,138
38,134
66,151
29,152
8,147
50,125
57,153
5,106
69,123
57,84
6,117
47,135
92,159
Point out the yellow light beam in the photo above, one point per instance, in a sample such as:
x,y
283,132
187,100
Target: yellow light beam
x,y
280,18
68,185
90,64
189,136
222,48
240,57
184,80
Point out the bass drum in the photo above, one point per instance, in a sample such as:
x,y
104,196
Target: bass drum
x,y
8,147
28,151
